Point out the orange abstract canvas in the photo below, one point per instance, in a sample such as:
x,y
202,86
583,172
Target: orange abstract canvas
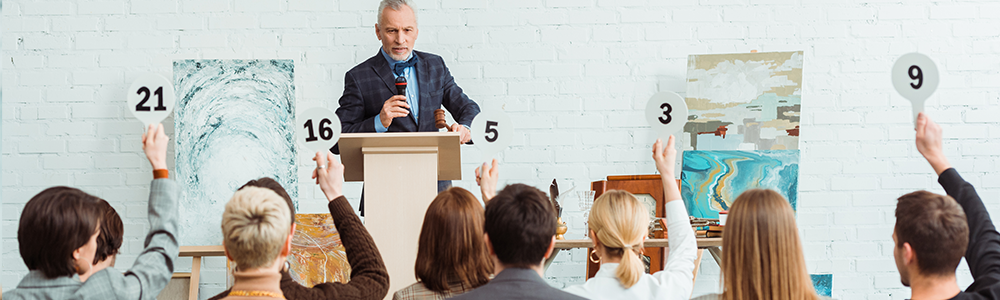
x,y
318,255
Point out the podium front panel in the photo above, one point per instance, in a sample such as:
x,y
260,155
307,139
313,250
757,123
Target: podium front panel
x,y
449,154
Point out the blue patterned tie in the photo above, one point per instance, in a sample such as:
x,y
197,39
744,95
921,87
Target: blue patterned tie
x,y
400,66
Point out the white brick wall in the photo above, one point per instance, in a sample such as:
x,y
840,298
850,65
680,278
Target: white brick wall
x,y
573,74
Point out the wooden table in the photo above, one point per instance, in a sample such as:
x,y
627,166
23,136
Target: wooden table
x,y
196,253
703,243
713,245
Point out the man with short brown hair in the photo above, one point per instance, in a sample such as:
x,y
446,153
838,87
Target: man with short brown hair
x,y
932,234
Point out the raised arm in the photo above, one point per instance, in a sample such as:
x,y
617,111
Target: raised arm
x,y
369,279
486,178
155,265
678,270
983,251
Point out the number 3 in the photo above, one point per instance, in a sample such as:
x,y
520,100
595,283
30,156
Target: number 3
x,y
919,77
666,113
490,129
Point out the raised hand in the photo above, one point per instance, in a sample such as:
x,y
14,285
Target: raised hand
x,y
929,143
392,108
486,178
154,144
329,174
665,158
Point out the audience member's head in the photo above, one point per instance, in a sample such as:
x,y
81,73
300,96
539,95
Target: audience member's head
x,y
763,257
255,228
451,247
58,231
112,233
930,235
109,241
618,223
271,184
521,226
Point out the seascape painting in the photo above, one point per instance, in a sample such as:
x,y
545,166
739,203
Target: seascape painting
x,y
233,122
318,255
744,101
711,180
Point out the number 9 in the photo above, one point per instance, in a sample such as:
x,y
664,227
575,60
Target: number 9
x,y
919,77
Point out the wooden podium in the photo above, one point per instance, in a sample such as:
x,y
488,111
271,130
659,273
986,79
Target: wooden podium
x,y
400,171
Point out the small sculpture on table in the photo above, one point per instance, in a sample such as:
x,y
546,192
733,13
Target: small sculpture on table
x,y
561,228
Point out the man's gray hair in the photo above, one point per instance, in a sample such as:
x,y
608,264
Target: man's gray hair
x,y
395,5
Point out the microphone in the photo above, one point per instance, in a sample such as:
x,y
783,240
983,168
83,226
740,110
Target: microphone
x,y
401,86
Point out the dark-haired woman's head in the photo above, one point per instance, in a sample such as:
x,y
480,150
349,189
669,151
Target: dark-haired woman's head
x,y
58,231
451,247
112,233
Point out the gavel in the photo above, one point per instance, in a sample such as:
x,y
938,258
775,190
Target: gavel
x,y
439,120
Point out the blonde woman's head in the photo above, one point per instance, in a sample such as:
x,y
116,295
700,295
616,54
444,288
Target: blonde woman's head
x,y
619,222
763,257
255,227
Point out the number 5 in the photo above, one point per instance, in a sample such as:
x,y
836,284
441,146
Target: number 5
x,y
490,129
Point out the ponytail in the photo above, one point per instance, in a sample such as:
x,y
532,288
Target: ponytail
x,y
630,269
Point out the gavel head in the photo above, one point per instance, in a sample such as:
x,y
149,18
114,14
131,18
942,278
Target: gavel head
x,y
439,120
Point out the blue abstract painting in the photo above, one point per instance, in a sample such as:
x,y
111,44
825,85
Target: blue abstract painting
x,y
823,283
233,122
711,180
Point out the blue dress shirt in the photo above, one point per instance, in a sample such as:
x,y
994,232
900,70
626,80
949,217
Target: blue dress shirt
x,y
412,92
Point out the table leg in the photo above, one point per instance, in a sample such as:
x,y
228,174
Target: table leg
x,y
716,254
697,264
195,278
552,257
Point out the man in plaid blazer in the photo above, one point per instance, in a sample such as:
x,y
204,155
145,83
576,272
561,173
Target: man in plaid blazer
x,y
370,103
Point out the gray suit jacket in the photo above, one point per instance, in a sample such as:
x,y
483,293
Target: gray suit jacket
x,y
516,284
147,277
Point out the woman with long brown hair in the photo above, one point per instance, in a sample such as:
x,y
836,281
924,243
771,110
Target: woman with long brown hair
x,y
452,257
762,254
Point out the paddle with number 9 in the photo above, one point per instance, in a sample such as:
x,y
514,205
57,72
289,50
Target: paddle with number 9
x,y
915,77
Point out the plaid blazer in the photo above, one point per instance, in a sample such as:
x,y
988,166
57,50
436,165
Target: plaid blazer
x,y
147,277
418,291
369,84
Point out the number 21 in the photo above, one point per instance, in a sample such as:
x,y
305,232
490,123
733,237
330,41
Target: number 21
x,y
159,102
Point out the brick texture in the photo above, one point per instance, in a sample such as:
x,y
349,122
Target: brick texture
x,y
574,75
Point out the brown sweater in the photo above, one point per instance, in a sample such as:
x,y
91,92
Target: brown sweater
x,y
369,279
